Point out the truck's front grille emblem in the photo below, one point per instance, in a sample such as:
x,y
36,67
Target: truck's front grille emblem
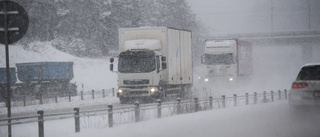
x,y
135,82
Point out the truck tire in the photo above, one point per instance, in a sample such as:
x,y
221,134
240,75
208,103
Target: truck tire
x,y
72,89
123,100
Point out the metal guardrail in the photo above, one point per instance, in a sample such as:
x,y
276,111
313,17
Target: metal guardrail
x,y
140,112
93,94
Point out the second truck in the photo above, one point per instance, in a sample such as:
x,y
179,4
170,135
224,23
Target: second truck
x,y
154,63
226,60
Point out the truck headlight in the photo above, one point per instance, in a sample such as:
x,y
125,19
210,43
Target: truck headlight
x,y
206,80
230,79
153,90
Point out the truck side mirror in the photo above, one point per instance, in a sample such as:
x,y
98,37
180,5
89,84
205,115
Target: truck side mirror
x,y
111,60
164,65
111,67
163,59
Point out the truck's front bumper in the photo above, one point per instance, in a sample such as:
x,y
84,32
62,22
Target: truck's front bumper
x,y
217,79
137,91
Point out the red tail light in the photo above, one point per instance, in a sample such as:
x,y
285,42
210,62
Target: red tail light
x,y
299,85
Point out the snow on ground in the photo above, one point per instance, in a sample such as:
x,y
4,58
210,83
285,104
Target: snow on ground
x,y
262,120
32,109
89,74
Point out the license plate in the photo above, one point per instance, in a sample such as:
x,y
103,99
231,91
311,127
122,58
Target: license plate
x,y
316,94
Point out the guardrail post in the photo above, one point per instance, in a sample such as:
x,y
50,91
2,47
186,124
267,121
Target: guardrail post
x,y
196,103
41,123
77,119
210,102
92,94
255,97
235,99
137,112
81,95
110,115
264,97
285,94
279,92
69,96
24,100
41,99
223,101
56,98
272,96
113,92
159,108
247,98
179,106
103,93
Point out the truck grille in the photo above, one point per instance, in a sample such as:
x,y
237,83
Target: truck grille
x,y
136,82
139,92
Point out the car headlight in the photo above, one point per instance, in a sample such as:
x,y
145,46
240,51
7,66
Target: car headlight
x,y
153,90
230,79
120,90
206,80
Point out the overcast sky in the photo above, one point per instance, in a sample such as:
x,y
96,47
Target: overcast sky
x,y
236,16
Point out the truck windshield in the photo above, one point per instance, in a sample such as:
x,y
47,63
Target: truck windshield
x,y
136,62
210,59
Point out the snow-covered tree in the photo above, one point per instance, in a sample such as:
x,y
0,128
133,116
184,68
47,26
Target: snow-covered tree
x,y
90,27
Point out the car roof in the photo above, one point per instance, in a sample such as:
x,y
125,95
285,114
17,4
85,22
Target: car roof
x,y
311,64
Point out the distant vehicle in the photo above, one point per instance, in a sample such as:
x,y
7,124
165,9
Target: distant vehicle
x,y
226,60
305,90
154,63
40,79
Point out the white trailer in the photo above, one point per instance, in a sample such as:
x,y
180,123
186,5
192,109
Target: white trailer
x,y
154,63
226,60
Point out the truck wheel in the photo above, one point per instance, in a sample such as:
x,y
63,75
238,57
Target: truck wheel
x,y
39,92
72,88
3,94
122,100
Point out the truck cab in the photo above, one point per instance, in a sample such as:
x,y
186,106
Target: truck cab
x,y
220,60
140,68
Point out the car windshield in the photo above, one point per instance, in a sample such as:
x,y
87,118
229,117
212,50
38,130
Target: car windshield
x,y
209,59
309,73
136,62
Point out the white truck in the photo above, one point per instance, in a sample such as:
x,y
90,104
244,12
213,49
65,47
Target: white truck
x,y
226,60
154,63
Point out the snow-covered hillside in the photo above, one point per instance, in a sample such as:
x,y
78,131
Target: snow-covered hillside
x,y
89,74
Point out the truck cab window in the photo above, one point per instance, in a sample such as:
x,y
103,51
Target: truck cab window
x,y
211,59
137,62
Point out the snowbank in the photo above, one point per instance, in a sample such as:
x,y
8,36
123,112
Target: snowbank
x,y
89,74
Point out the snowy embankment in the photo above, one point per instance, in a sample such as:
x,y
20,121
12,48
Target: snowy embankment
x,y
89,74
263,120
